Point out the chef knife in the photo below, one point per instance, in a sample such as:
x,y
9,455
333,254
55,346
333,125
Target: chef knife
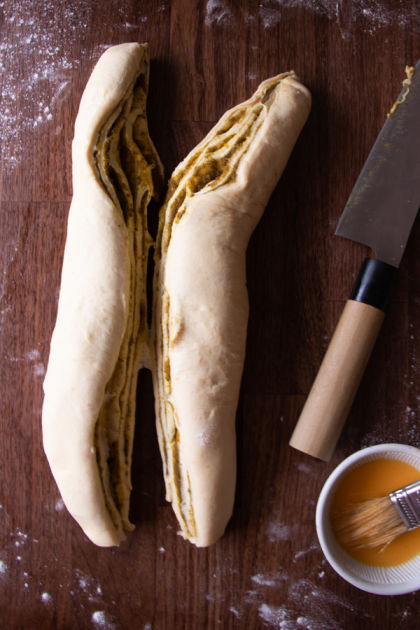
x,y
379,213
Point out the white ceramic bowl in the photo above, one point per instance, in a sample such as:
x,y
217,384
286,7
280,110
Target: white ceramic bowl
x,y
396,580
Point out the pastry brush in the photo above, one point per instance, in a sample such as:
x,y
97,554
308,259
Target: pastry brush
x,y
375,523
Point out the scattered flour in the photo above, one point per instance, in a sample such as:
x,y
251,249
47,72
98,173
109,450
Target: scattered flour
x,y
33,355
88,585
384,430
287,618
318,605
278,531
217,12
59,505
269,579
234,611
304,468
23,109
304,552
99,618
3,567
405,614
39,370
306,604
367,16
278,616
263,580
46,598
251,596
304,622
36,39
21,537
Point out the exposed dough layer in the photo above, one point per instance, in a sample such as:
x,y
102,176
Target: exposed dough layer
x,y
216,197
100,338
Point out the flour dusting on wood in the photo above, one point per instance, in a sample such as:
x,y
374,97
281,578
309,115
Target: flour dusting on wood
x,y
270,579
277,616
305,552
88,585
367,16
36,38
101,620
278,531
217,12
46,598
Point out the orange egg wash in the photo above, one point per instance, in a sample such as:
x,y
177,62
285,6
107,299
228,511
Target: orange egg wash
x,y
374,479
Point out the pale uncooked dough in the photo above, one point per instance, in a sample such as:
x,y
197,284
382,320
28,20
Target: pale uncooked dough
x,y
216,197
100,338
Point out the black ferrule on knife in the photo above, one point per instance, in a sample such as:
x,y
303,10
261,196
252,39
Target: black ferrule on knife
x,y
374,283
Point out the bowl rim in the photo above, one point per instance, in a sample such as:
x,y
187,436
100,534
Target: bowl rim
x,y
320,516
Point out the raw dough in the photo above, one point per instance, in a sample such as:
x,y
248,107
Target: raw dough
x,y
100,338
216,197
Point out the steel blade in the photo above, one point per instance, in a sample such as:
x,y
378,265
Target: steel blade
x,y
384,202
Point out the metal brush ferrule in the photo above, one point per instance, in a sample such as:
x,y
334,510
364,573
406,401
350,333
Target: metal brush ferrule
x,y
407,502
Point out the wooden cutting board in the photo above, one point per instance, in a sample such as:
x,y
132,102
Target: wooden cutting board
x,y
268,570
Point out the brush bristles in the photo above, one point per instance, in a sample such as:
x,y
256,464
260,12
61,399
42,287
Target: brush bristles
x,y
372,524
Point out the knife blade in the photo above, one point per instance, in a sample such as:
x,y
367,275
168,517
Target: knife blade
x,y
384,202
379,213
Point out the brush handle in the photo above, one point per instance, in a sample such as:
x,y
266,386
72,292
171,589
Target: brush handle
x,y
336,384
407,502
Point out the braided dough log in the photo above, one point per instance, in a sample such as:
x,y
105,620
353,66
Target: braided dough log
x,y
99,341
216,197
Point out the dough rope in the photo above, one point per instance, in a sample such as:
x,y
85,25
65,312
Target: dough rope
x,y
215,198
101,339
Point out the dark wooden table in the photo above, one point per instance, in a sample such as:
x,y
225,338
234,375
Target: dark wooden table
x,y
268,570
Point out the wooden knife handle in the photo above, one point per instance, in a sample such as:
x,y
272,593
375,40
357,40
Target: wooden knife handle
x,y
336,384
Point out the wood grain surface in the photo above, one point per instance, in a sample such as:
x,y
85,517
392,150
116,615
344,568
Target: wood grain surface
x,y
268,571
